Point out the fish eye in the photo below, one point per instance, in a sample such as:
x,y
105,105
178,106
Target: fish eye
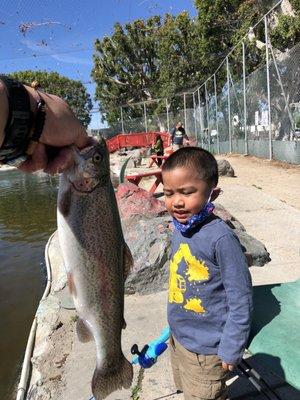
x,y
97,158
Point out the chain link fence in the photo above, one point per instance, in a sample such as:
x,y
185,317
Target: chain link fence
x,y
241,108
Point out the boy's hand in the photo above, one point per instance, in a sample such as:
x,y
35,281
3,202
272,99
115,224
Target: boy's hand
x,y
227,367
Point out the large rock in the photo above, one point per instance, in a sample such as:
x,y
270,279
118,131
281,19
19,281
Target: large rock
x,y
255,251
225,168
149,242
132,200
148,235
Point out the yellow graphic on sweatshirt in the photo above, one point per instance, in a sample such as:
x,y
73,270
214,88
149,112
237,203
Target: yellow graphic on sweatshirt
x,y
177,285
194,304
196,271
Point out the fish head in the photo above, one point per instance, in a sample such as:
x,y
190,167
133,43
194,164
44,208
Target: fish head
x,y
91,168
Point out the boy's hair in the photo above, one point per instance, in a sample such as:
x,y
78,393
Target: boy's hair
x,y
196,158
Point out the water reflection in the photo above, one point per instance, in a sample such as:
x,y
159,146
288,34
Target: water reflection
x,y
27,219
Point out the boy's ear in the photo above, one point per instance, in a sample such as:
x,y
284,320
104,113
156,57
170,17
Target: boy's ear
x,y
215,194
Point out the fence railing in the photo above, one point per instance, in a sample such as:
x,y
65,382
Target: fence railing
x,y
240,108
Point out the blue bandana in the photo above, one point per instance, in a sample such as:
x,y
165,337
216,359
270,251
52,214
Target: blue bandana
x,y
195,219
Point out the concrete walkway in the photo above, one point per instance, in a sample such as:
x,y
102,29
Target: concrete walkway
x,y
271,221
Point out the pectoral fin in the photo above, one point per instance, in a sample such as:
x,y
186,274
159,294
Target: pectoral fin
x,y
127,266
127,261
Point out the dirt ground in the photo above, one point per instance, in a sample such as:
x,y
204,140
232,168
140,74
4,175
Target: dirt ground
x,y
278,179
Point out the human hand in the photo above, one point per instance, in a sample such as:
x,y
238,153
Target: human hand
x,y
227,367
61,130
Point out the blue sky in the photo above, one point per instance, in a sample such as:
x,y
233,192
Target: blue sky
x,y
58,35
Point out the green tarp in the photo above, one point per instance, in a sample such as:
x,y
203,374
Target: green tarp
x,y
275,335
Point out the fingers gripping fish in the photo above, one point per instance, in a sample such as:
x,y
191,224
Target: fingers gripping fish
x,y
97,262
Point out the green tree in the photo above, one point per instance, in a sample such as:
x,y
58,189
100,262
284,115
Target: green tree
x,y
223,23
179,52
126,67
72,91
143,61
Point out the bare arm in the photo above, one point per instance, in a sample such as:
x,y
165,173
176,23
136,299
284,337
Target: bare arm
x,y
185,135
61,130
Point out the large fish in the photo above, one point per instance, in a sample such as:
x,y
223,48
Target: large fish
x,y
97,262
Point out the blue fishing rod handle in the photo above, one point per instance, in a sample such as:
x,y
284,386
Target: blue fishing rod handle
x,y
160,348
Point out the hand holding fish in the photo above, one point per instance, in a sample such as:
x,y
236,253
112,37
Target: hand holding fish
x,y
61,130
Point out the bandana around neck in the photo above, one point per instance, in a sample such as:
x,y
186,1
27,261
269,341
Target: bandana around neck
x,y
195,219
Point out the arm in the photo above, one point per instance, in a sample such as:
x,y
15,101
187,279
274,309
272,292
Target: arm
x,y
172,133
238,287
185,135
61,130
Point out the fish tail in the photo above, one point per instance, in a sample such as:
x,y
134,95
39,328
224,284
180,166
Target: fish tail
x,y
107,380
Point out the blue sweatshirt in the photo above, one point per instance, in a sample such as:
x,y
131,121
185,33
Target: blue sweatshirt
x,y
210,291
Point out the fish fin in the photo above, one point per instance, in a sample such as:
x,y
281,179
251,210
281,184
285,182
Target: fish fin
x,y
127,264
83,333
127,261
108,380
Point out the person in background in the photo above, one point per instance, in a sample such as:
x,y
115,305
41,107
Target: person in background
x,y
178,133
158,149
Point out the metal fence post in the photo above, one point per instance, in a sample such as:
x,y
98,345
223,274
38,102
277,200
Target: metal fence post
x,y
217,117
168,120
200,120
145,116
268,88
245,100
122,120
184,106
229,106
195,122
207,115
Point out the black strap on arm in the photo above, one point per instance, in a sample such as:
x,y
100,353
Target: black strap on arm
x,y
17,129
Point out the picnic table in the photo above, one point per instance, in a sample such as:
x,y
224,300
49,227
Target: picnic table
x,y
136,179
155,158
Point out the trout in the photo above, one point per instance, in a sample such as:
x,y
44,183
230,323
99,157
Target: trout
x,y
97,262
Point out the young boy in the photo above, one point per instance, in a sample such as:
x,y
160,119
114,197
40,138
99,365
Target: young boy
x,y
210,291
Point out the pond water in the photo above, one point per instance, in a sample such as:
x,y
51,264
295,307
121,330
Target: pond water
x,y
27,219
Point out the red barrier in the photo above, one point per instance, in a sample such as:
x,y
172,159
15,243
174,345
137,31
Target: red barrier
x,y
137,139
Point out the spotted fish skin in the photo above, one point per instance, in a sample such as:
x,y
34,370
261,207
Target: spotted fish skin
x,y
97,261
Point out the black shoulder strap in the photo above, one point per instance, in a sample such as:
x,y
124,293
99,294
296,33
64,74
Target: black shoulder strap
x,y
19,120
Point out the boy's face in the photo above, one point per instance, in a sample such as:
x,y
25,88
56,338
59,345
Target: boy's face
x,y
185,193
